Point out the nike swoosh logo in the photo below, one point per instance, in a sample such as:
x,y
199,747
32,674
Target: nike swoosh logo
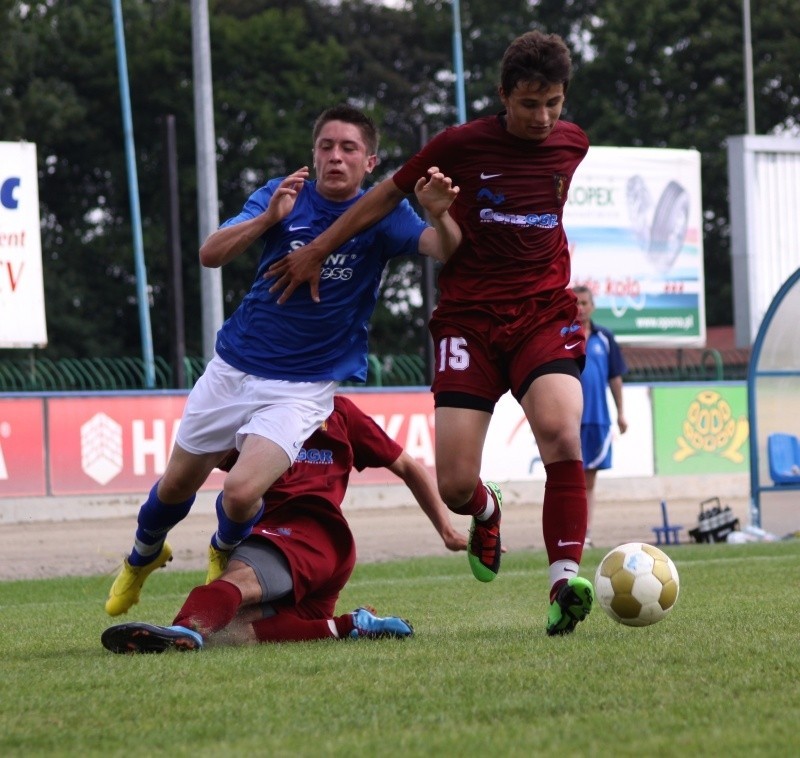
x,y
561,543
572,346
489,176
293,228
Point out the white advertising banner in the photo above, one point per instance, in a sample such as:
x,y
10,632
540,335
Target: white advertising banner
x,y
22,315
511,454
634,223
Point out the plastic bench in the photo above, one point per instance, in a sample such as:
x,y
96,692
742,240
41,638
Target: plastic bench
x,y
783,452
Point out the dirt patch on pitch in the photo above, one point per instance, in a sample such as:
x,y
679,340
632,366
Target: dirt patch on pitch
x,y
34,550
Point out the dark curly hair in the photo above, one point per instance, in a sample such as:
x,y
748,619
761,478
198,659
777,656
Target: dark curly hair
x,y
536,57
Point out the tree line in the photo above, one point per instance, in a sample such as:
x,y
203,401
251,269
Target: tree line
x,y
658,74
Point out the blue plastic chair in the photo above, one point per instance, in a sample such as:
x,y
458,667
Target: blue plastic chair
x,y
783,452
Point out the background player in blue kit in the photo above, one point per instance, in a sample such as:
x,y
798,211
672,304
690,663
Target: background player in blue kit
x,y
276,368
604,366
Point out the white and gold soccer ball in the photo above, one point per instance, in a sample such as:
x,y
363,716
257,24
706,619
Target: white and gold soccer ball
x,y
636,584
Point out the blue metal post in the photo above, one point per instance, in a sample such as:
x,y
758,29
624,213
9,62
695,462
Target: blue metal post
x,y
133,192
458,63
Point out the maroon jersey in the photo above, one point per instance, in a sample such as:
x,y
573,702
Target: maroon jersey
x,y
303,509
509,209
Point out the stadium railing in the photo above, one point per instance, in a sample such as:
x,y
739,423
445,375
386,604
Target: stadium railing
x,y
39,374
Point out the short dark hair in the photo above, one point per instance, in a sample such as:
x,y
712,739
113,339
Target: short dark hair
x,y
536,57
350,115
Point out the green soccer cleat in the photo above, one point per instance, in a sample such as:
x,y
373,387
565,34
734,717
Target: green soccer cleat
x,y
483,546
573,603
138,637
127,587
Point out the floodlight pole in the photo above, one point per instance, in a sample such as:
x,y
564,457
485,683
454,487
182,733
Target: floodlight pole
x,y
142,294
748,68
207,198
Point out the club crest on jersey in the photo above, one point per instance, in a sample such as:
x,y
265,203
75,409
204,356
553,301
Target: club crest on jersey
x,y
560,186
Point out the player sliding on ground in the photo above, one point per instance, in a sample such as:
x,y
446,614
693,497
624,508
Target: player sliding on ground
x,y
282,583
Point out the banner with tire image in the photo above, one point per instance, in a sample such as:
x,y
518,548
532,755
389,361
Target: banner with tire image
x,y
634,223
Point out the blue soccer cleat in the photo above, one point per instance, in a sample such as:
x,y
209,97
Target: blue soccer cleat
x,y
367,624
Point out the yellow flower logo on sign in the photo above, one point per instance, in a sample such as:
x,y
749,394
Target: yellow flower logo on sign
x,y
709,427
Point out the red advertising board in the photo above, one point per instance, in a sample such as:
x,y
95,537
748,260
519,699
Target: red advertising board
x,y
407,417
112,444
22,447
121,444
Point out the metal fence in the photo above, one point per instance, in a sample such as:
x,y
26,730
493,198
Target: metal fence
x,y
36,374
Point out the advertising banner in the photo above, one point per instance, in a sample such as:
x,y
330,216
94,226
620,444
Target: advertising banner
x,y
701,431
22,448
112,444
407,417
510,452
634,223
22,315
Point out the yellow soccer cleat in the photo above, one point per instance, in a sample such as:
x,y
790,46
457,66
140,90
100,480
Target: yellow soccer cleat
x,y
127,586
217,563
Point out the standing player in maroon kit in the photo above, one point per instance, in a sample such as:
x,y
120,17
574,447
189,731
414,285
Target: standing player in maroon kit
x,y
282,583
505,319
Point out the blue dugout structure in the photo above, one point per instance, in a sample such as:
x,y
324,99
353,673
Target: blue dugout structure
x,y
773,398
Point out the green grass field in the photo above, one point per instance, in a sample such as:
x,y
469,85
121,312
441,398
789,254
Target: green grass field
x,y
719,676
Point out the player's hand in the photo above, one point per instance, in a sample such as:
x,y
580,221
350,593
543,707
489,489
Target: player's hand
x,y
284,197
435,192
454,540
301,265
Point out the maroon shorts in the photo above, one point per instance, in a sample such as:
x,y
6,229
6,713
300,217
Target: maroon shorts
x,y
321,557
486,353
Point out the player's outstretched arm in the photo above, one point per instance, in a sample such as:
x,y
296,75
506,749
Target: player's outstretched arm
x,y
225,244
422,486
436,194
304,264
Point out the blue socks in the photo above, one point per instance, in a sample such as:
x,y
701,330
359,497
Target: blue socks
x,y
155,520
230,533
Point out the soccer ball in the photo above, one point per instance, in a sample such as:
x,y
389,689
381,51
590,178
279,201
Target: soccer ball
x,y
636,584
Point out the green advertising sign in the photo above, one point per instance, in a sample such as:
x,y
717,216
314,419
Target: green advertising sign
x,y
700,430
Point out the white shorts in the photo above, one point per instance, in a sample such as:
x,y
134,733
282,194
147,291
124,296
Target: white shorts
x,y
226,405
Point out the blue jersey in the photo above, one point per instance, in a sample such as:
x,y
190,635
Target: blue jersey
x,y
604,361
304,341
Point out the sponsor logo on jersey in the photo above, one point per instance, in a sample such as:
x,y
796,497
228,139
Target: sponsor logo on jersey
x,y
314,455
538,220
336,266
